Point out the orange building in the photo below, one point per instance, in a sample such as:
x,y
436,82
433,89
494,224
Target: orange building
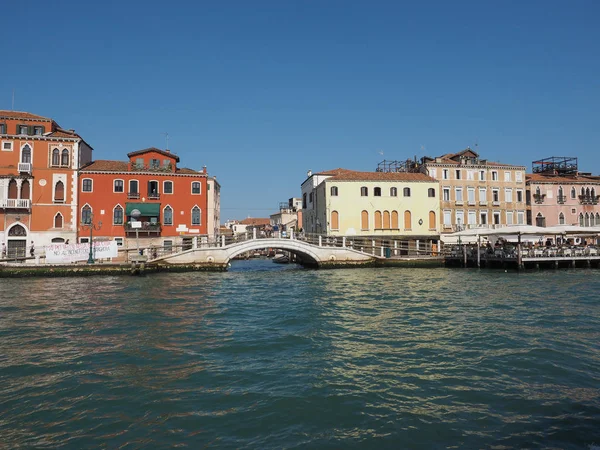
x,y
38,182
172,202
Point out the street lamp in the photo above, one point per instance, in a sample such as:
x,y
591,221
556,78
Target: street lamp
x,y
135,214
92,228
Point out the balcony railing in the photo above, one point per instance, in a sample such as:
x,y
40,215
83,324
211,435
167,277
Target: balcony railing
x,y
561,199
147,227
16,203
589,199
539,198
153,196
24,167
133,195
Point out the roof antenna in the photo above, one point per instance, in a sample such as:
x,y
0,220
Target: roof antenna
x,y
167,138
13,100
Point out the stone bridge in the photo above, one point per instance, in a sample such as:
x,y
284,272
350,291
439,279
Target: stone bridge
x,y
307,254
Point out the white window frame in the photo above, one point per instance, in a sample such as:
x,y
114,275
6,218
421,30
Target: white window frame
x,y
446,189
494,175
12,146
482,175
520,217
113,215
172,215
447,217
519,176
21,153
484,213
129,186
470,175
192,188
509,218
458,190
92,184
115,185
508,195
482,198
172,187
471,193
507,176
445,174
192,216
472,217
460,215
54,221
496,190
433,172
519,191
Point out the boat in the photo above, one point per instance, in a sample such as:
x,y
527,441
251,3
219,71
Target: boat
x,y
280,258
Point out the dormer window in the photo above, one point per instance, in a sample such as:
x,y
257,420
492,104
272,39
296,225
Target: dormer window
x,y
139,163
154,163
2,128
22,129
38,131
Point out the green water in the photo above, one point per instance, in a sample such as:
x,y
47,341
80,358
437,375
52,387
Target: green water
x,y
269,356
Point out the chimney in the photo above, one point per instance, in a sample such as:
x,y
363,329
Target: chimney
x,y
203,169
167,150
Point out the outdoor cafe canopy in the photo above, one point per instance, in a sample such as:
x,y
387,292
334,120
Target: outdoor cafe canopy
x,y
514,232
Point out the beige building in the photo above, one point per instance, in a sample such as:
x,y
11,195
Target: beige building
x,y
475,192
343,202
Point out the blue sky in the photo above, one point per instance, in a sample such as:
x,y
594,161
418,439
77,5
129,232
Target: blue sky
x,y
263,91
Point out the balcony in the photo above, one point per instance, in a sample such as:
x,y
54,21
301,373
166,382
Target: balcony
x,y
134,195
539,198
561,199
496,203
459,203
24,167
15,203
483,203
147,228
589,199
153,196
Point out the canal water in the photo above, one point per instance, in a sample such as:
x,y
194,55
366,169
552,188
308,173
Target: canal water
x,y
272,356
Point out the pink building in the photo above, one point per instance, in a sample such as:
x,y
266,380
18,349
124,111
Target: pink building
x,y
558,194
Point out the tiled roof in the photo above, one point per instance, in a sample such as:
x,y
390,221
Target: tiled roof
x,y
4,114
60,133
544,178
156,150
351,175
103,165
255,221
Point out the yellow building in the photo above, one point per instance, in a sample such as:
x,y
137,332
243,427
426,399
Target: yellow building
x,y
390,205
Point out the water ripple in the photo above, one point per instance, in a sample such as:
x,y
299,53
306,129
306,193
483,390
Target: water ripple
x,y
275,357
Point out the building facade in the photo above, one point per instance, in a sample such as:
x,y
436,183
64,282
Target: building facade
x,y
38,182
170,202
392,205
475,192
558,194
213,219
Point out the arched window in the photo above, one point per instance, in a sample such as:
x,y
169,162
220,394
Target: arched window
x,y
59,192
587,192
597,218
538,191
334,191
592,221
17,230
26,154
13,190
593,192
560,192
581,219
58,221
407,220
378,220
540,220
431,192
25,189
364,220
196,187
55,157
168,215
395,220
386,220
432,223
335,220
573,193
64,161
86,214
582,191
377,192
393,192
364,191
561,219
196,215
118,215
407,192
587,220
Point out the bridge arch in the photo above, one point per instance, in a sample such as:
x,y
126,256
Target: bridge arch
x,y
299,248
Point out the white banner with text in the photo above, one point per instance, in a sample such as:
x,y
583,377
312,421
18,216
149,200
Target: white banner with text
x,y
67,253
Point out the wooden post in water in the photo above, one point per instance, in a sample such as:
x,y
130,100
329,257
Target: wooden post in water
x,y
478,251
465,254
